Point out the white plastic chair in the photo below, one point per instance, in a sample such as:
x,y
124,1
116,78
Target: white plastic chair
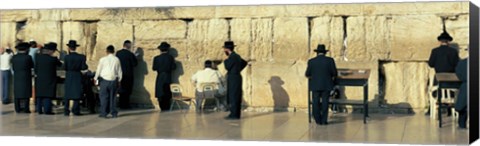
x,y
208,92
178,97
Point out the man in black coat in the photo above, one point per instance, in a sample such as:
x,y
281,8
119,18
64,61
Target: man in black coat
x,y
234,64
321,73
443,58
46,79
128,61
22,65
164,65
74,64
461,103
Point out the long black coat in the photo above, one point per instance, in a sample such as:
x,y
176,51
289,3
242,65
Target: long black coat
x,y
461,71
74,64
46,71
164,64
234,65
128,61
321,72
22,65
443,59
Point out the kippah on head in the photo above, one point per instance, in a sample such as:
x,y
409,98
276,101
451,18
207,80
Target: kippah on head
x,y
127,42
208,63
110,49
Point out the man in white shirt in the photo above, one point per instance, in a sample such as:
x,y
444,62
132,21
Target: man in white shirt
x,y
208,75
109,76
5,68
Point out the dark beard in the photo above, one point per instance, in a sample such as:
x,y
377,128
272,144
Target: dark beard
x,y
226,53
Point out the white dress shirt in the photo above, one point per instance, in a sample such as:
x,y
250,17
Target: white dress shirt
x,y
109,68
207,75
5,63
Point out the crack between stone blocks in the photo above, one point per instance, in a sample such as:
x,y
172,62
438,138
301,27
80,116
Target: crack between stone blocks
x,y
310,25
344,45
229,33
273,38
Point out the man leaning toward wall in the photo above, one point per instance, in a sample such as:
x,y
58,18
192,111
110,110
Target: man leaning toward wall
x,y
128,62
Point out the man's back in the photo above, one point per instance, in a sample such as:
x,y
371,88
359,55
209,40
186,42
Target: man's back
x,y
321,71
75,62
207,75
127,60
164,63
443,59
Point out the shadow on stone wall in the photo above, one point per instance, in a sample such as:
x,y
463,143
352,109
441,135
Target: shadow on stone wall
x,y
280,96
140,92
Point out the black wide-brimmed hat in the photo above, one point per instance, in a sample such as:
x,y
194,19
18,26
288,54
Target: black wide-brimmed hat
x,y
163,45
22,46
321,48
229,44
51,46
72,43
445,36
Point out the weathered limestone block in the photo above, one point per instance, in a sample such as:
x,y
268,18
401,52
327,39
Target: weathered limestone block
x,y
322,10
198,12
111,33
262,39
152,30
249,11
417,8
327,31
89,14
240,30
406,82
7,34
290,39
15,15
356,43
458,27
413,37
51,14
356,93
206,38
279,85
377,34
74,31
42,32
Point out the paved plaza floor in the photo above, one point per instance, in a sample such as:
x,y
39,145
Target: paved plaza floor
x,y
254,126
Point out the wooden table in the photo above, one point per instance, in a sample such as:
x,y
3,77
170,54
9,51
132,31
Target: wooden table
x,y
445,80
350,77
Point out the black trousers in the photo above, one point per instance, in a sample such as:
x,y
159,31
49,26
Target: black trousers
x,y
126,91
165,101
75,108
89,99
234,95
320,110
108,92
462,118
19,103
43,104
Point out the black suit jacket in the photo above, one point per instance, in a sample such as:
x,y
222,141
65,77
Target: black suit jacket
x,y
462,74
128,62
234,64
46,71
22,65
164,64
74,63
443,59
321,72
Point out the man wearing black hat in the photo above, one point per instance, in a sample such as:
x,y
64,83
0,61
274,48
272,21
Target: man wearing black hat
x,y
128,61
22,65
164,64
234,64
444,58
321,73
74,64
46,79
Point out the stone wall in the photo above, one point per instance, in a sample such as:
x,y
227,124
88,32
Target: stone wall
x,y
393,40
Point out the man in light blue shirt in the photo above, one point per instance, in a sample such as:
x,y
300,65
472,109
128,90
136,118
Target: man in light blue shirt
x,y
33,50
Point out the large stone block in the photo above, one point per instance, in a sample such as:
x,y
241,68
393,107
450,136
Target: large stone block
x,y
73,31
328,31
157,30
417,8
51,14
240,32
458,27
290,37
205,39
15,15
249,11
356,49
413,37
377,34
406,82
7,34
279,85
111,33
323,10
262,39
89,15
42,32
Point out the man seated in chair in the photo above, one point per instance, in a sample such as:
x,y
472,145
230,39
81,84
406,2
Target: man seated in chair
x,y
208,75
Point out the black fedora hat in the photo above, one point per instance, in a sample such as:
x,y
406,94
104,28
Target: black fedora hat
x,y
163,46
22,46
321,48
229,44
51,46
72,43
445,36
